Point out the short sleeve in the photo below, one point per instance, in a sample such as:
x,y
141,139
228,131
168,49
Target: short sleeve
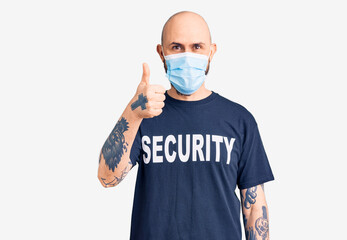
x,y
135,152
254,167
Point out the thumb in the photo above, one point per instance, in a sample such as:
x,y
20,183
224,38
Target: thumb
x,y
145,74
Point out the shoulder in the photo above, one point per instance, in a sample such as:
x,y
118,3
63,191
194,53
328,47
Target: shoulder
x,y
237,110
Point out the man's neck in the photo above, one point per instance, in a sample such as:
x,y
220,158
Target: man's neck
x,y
199,94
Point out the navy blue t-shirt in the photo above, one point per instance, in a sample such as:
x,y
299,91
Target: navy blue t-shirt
x,y
190,159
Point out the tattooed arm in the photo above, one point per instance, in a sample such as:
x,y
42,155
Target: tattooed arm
x,y
114,157
114,161
255,213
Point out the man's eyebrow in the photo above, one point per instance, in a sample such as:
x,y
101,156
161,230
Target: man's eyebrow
x,y
201,43
176,43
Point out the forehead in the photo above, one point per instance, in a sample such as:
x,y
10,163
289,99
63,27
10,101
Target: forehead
x,y
186,29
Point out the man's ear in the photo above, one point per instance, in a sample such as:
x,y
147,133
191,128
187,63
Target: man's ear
x,y
160,52
213,50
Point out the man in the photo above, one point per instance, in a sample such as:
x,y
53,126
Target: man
x,y
193,148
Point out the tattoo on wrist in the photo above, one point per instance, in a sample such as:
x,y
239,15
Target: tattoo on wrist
x,y
117,180
115,145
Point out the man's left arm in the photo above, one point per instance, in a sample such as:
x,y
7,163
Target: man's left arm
x,y
255,213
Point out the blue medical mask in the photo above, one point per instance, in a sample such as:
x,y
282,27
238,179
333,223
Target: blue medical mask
x,y
186,71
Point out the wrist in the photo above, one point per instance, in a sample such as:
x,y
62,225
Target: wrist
x,y
132,112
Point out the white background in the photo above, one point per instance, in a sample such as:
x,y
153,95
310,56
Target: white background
x,y
68,69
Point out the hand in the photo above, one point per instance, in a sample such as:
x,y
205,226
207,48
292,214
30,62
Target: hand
x,y
149,98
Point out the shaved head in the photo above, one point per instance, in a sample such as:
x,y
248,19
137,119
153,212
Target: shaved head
x,y
191,22
186,31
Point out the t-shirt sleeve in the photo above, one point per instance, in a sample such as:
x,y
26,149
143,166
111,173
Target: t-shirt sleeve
x,y
254,167
135,152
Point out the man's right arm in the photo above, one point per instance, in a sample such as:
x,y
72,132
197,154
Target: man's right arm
x,y
114,159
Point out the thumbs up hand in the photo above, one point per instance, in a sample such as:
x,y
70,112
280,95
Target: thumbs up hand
x,y
149,98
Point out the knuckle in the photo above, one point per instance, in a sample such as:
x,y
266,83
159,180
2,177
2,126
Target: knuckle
x,y
149,95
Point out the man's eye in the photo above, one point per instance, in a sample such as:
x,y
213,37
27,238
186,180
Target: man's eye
x,y
175,47
197,46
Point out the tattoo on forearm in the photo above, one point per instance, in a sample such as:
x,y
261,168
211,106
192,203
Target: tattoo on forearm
x,y
262,225
115,144
117,180
249,232
250,196
141,101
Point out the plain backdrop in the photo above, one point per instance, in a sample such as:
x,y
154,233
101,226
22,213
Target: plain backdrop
x,y
68,69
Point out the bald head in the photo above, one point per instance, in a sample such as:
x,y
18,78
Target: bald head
x,y
186,25
186,32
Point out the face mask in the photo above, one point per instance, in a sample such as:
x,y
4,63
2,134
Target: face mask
x,y
186,71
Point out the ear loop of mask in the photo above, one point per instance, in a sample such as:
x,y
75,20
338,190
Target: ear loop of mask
x,y
209,53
